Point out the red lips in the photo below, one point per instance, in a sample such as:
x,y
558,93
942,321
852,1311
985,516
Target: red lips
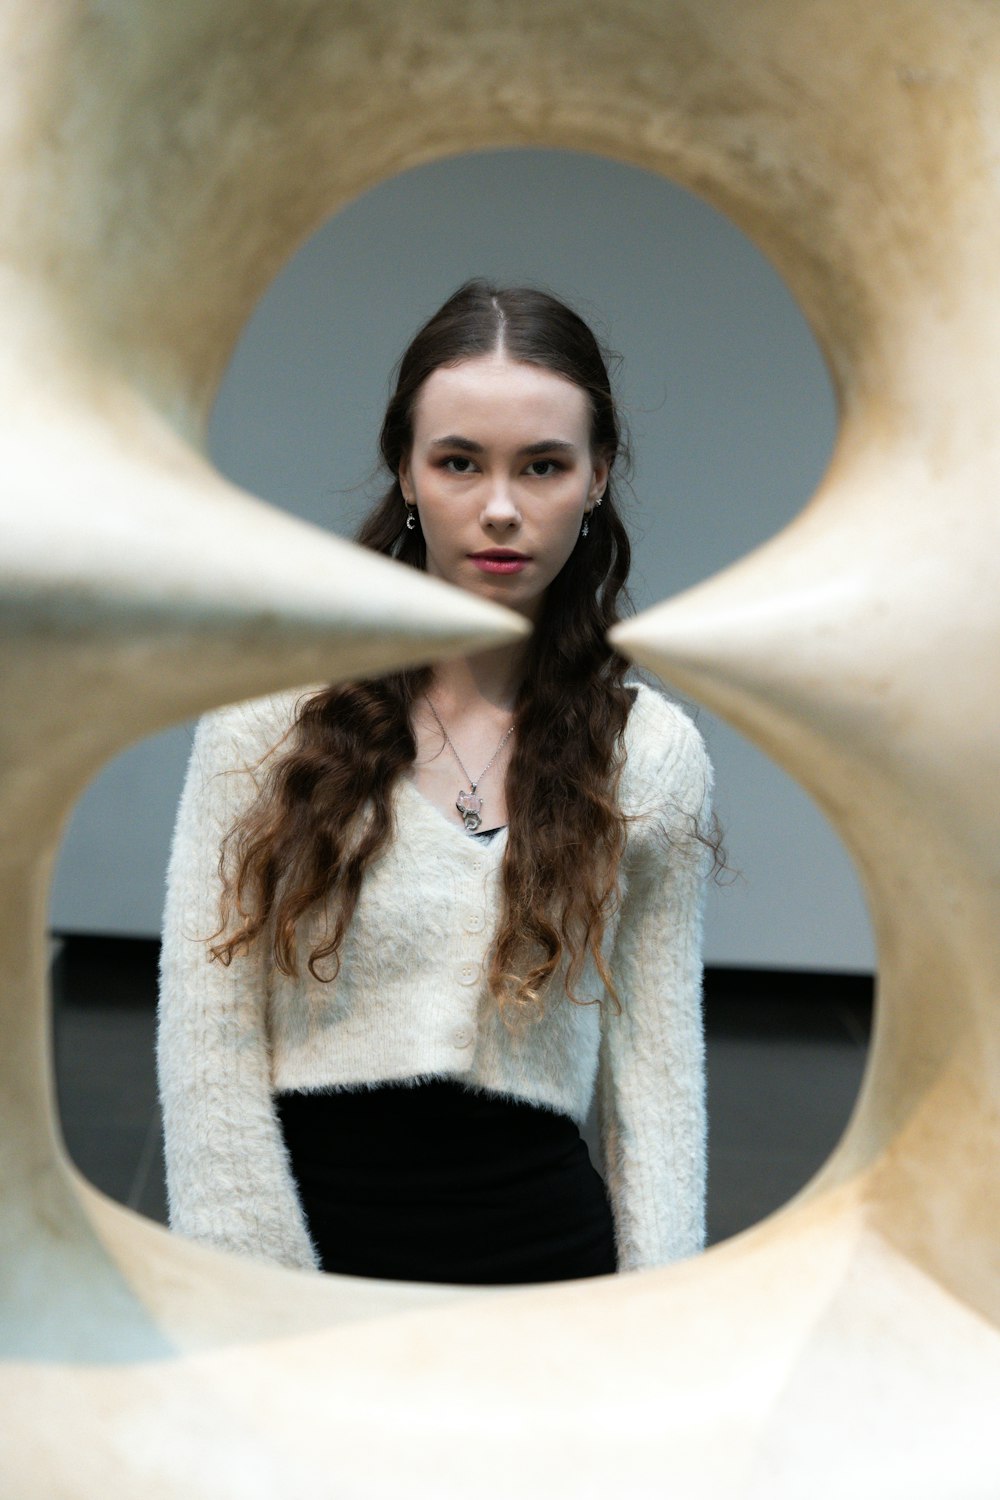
x,y
499,560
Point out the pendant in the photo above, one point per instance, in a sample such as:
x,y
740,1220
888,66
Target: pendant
x,y
471,808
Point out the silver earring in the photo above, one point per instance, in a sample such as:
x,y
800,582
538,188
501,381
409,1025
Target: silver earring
x,y
586,527
411,520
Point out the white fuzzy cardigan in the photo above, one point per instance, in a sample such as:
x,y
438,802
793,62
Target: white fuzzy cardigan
x,y
410,1001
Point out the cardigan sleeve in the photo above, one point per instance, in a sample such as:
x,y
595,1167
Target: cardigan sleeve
x,y
651,1075
229,1182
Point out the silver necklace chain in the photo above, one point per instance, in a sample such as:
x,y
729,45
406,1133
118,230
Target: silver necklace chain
x,y
467,802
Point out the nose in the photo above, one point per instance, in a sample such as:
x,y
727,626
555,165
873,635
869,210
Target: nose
x,y
500,511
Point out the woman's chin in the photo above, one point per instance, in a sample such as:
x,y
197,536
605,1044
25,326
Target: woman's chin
x,y
502,588
522,601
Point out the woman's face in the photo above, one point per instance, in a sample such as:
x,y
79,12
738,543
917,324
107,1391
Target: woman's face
x,y
502,472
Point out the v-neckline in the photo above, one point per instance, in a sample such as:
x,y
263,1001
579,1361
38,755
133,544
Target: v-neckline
x,y
468,840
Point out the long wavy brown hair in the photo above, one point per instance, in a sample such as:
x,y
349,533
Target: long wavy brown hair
x,y
325,809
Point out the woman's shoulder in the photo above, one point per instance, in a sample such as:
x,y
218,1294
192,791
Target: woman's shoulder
x,y
242,735
656,724
664,751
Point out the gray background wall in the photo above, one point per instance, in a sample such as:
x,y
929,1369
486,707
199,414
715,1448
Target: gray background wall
x,y
732,423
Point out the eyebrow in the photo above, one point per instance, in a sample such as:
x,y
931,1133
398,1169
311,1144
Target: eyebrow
x,y
466,445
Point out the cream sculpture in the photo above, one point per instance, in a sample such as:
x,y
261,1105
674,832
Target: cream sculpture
x,y
159,163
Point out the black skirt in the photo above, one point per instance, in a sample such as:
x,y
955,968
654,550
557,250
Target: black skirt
x,y
439,1182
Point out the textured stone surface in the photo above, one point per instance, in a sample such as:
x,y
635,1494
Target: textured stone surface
x,y
159,164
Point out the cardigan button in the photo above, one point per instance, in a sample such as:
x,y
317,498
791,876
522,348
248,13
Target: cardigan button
x,y
474,921
468,973
463,1036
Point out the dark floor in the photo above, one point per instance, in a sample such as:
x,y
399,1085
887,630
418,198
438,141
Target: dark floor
x,y
785,1057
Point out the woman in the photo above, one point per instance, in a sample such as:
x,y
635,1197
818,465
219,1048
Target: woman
x,y
454,901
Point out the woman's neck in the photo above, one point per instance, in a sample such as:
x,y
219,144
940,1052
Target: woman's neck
x,y
489,677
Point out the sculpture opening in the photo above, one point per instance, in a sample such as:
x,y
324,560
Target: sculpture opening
x,y
731,417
